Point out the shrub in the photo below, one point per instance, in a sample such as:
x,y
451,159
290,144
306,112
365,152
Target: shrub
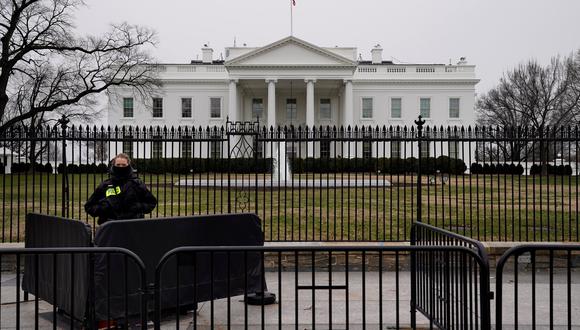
x,y
48,168
450,165
384,165
27,167
536,169
73,168
497,169
203,165
392,166
102,168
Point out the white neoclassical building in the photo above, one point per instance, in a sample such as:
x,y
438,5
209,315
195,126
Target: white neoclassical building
x,y
293,82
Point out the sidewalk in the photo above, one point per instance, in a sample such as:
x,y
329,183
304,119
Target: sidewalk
x,y
305,308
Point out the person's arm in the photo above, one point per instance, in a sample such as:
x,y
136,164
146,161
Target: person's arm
x,y
95,205
146,202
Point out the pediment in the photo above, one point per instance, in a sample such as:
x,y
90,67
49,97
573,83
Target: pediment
x,y
290,51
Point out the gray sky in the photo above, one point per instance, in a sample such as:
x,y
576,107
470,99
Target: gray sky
x,y
495,35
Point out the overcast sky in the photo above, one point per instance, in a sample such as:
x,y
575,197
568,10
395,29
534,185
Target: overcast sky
x,y
495,35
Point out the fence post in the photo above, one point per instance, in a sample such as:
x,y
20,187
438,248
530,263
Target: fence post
x,y
413,299
63,121
420,122
228,129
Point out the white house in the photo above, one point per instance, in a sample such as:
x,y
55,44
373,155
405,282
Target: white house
x,y
293,82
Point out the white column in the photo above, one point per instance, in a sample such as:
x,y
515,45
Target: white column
x,y
272,150
310,102
271,102
348,115
348,118
310,111
233,100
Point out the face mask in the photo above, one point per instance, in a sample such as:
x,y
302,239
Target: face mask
x,y
122,171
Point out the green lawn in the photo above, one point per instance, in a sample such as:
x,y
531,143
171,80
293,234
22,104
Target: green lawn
x,y
486,207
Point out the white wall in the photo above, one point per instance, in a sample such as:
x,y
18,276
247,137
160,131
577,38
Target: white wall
x,y
172,94
411,96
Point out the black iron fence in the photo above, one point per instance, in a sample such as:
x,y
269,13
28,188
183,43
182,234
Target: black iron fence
x,y
443,276
312,184
451,288
337,287
213,287
72,288
537,287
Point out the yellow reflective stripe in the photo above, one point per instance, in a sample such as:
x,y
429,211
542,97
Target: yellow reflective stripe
x,y
113,191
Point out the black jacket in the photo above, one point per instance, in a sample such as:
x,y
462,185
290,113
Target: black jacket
x,y
120,198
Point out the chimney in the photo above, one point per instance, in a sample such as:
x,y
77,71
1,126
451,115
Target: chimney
x,y
207,54
377,54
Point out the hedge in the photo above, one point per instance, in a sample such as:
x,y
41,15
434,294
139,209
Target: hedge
x,y
430,165
552,169
497,169
203,165
536,169
84,168
28,167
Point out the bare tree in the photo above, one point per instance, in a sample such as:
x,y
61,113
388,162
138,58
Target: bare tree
x,y
45,67
531,99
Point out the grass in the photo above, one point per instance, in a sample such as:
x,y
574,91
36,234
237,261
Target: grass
x,y
490,208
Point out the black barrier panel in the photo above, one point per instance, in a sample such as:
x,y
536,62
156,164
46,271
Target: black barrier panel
x,y
115,293
50,270
538,287
45,231
440,280
321,287
151,239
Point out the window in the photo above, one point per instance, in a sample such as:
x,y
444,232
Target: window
x,y
157,147
128,107
157,107
395,149
215,147
291,112
325,147
257,108
425,151
258,148
367,149
291,149
367,108
453,149
325,110
454,107
425,107
186,107
396,107
186,147
215,107
128,145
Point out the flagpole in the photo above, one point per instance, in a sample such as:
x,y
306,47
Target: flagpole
x,y
291,19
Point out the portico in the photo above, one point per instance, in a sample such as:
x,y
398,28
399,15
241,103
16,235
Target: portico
x,y
305,85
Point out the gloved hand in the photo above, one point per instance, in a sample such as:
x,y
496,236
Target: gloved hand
x,y
104,207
